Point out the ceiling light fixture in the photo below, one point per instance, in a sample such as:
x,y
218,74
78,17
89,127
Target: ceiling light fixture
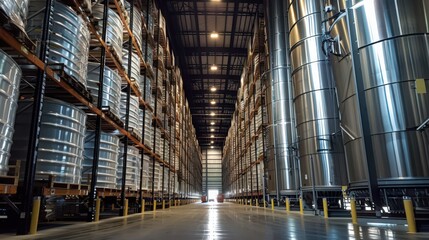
x,y
213,89
213,67
212,123
211,142
212,136
213,102
212,113
214,35
212,129
211,147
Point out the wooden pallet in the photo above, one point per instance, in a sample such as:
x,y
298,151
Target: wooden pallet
x,y
9,184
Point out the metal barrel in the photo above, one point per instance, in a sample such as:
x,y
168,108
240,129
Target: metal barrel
x,y
10,77
134,111
111,87
108,159
135,66
16,10
132,181
137,23
61,140
114,36
68,40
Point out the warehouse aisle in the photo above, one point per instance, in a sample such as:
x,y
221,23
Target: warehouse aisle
x,y
221,221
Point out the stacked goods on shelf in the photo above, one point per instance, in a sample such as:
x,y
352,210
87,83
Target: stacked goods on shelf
x,y
155,177
133,116
146,172
147,93
10,77
148,130
111,87
107,162
135,67
114,34
61,140
137,23
132,180
68,41
16,11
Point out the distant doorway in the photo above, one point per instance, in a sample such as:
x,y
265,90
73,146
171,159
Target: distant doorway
x,y
213,195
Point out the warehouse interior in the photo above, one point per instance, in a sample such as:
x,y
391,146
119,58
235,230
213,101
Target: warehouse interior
x,y
204,114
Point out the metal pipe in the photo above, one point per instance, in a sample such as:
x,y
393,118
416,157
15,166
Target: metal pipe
x,y
33,143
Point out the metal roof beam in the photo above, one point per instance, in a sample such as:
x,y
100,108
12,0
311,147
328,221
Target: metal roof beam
x,y
195,51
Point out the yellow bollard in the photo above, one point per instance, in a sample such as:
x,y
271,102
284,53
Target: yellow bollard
x,y
301,206
97,209
325,208
272,204
409,213
163,204
265,203
143,205
256,202
35,215
287,205
154,205
175,203
353,210
245,202
126,207
180,202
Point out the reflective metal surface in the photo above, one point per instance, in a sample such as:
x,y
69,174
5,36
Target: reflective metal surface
x,y
214,221
393,41
16,10
137,23
111,87
281,129
61,140
107,161
10,77
69,38
132,181
135,67
134,111
319,142
114,35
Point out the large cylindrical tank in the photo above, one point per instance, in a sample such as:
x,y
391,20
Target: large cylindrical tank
x,y
10,77
16,10
69,38
114,35
107,160
132,181
61,140
393,38
111,87
320,146
281,129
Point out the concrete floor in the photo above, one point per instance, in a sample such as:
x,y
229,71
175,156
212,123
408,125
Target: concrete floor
x,y
221,221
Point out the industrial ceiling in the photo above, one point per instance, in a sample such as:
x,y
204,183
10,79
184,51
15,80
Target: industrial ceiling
x,y
211,66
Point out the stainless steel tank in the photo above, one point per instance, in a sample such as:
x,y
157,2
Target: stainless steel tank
x,y
114,35
10,77
111,87
135,67
16,10
107,161
133,113
132,181
68,40
394,52
61,140
320,147
281,129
